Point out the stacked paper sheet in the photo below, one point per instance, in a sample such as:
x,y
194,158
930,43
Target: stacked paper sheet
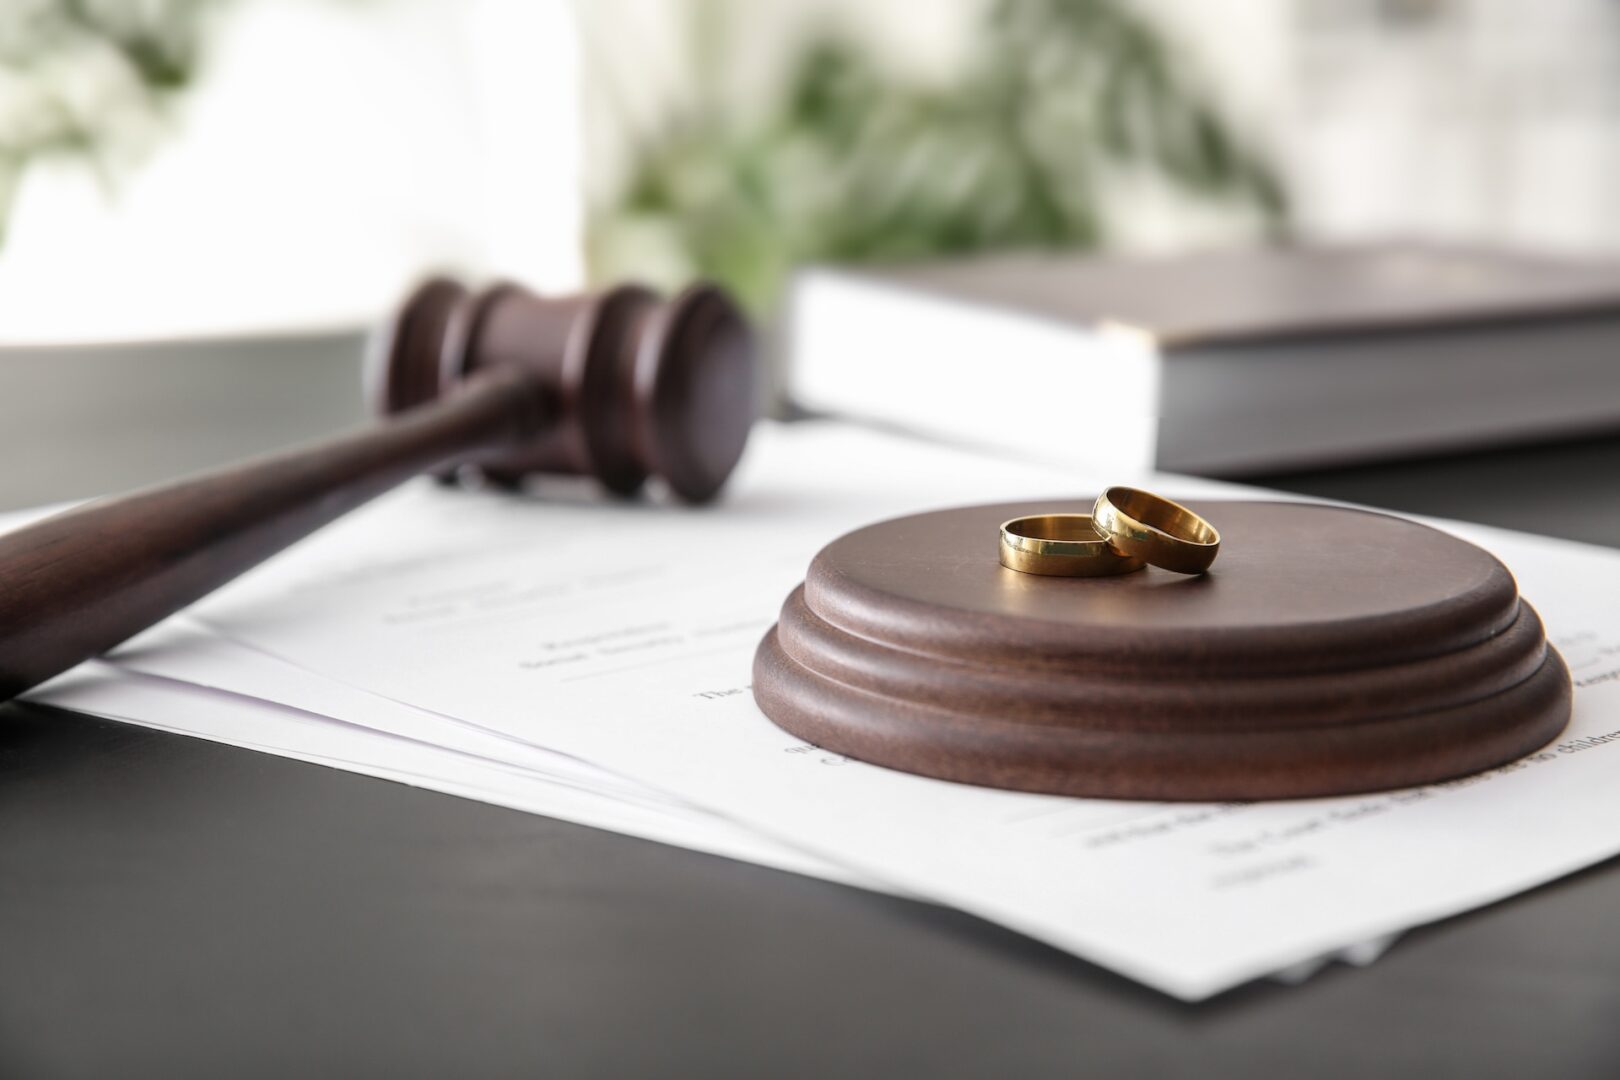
x,y
590,661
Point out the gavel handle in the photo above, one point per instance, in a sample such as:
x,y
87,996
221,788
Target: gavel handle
x,y
79,583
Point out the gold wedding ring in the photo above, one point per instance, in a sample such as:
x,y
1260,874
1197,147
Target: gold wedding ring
x,y
1061,545
1152,528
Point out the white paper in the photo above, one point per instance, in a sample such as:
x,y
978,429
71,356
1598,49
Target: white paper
x,y
215,689
624,635
105,690
183,651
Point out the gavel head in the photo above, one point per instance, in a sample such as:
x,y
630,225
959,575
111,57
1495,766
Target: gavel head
x,y
639,385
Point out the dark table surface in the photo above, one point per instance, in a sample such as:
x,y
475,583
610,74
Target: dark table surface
x,y
172,908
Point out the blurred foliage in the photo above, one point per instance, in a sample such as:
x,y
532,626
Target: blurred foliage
x,y
855,164
89,78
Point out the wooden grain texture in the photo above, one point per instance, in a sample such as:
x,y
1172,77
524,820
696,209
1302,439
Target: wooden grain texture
x,y
642,386
1329,651
77,584
619,385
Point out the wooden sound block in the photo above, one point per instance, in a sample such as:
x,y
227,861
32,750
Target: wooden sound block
x,y
1328,651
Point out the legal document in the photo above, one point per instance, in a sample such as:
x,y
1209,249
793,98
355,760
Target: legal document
x,y
623,635
174,678
576,793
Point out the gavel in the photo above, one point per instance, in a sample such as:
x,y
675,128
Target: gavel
x,y
619,385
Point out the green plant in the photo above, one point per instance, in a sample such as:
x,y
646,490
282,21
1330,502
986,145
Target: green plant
x,y
854,164
89,78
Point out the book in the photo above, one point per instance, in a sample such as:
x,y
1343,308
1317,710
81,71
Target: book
x,y
1221,363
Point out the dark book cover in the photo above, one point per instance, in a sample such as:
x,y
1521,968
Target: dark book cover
x,y
1249,295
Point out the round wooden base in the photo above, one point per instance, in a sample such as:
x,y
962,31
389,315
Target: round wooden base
x,y
1328,651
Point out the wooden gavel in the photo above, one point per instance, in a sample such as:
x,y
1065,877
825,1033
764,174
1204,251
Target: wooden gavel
x,y
617,385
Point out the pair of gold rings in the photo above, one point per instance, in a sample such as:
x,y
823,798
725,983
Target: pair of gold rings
x,y
1126,530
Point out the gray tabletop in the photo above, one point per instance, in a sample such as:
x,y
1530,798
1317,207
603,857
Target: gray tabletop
x,y
170,907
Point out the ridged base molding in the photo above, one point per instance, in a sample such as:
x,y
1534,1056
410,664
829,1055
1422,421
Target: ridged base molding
x,y
1330,652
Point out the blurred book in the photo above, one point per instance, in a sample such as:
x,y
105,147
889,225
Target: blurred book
x,y
1218,364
